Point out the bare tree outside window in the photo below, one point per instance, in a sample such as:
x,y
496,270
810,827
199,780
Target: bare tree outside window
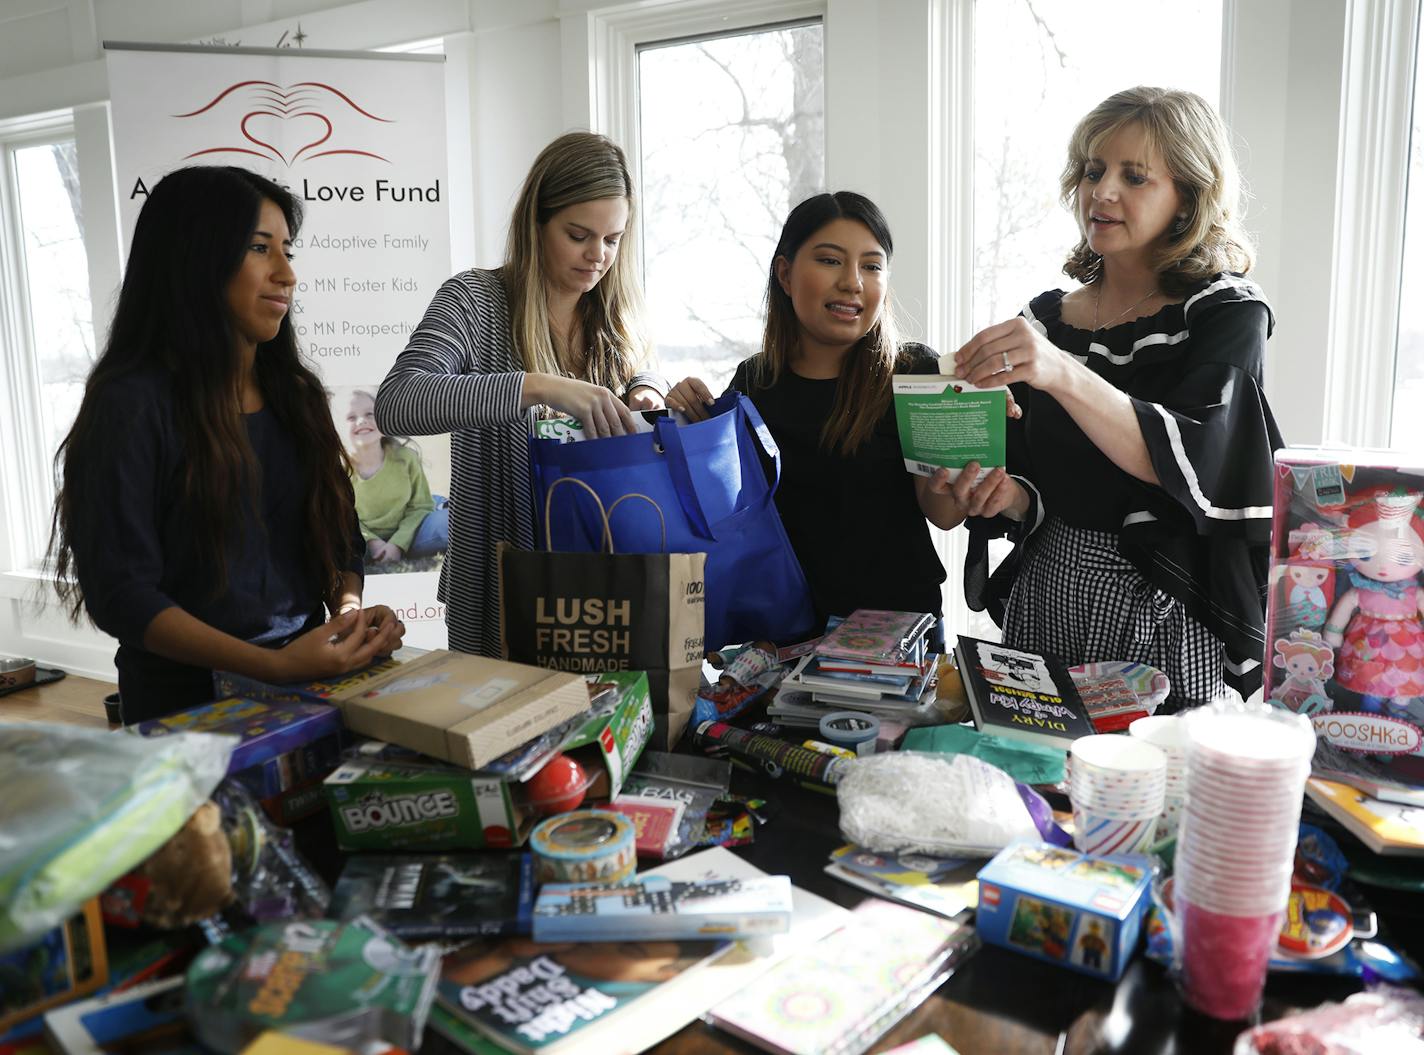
x,y
733,135
1406,424
1039,66
57,274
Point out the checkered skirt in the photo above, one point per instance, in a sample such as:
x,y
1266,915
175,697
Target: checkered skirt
x,y
1078,598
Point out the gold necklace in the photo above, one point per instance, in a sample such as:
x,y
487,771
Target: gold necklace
x,y
1098,303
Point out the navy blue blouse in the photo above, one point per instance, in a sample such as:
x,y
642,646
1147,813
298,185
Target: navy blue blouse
x,y
136,554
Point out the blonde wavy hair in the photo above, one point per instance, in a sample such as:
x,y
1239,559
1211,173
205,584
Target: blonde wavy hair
x,y
1195,147
575,168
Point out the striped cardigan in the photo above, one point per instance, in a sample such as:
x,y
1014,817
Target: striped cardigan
x,y
459,374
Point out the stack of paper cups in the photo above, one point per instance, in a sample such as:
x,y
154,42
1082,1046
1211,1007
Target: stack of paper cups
x,y
1169,733
1117,785
1246,771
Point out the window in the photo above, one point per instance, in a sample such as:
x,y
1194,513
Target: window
x,y
51,321
1066,58
1407,425
731,133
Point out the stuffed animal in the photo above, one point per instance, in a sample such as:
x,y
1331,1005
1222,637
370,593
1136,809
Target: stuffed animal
x,y
187,879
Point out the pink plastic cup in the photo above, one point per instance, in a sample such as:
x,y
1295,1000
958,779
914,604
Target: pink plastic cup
x,y
1224,959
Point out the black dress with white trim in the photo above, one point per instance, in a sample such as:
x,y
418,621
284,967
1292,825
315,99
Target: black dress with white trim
x,y
1201,538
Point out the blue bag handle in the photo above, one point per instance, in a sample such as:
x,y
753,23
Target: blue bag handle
x,y
665,431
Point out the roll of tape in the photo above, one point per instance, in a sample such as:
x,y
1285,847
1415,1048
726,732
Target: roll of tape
x,y
585,846
851,729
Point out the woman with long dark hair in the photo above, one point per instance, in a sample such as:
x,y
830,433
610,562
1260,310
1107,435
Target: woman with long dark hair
x,y
204,514
822,382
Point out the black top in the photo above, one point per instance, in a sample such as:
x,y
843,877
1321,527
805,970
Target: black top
x,y
854,522
135,552
1194,372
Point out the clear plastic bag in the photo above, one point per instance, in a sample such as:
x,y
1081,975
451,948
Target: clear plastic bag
x,y
950,805
80,807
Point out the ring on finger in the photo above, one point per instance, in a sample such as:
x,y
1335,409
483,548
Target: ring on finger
x,y
1007,365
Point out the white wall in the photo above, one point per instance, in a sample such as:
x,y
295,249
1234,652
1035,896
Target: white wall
x,y
503,101
518,74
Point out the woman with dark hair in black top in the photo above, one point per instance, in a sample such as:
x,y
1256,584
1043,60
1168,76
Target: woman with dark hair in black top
x,y
1140,504
204,509
855,517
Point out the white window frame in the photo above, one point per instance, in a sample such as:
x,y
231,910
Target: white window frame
x,y
1377,111
28,498
606,42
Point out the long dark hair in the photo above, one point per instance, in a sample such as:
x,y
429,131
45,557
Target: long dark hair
x,y
863,390
190,240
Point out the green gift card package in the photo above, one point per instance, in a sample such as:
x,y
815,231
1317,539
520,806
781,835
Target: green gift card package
x,y
947,423
347,984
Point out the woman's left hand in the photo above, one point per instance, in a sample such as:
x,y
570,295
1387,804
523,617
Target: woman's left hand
x,y
385,628
380,626
997,493
645,397
1010,352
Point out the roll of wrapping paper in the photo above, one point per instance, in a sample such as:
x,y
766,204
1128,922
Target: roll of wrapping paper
x,y
770,755
585,846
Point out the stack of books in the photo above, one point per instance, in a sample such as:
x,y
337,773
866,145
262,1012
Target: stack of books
x,y
1386,827
873,661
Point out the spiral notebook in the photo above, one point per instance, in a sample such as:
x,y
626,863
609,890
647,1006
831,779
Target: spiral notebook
x,y
848,990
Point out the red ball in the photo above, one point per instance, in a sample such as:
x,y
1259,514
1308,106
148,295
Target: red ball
x,y
558,787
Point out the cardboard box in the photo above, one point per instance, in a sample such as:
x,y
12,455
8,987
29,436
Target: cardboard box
x,y
268,732
608,746
465,709
1055,904
61,965
378,805
226,683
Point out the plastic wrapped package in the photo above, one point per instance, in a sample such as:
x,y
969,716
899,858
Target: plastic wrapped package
x,y
951,805
80,807
270,880
349,984
1387,1019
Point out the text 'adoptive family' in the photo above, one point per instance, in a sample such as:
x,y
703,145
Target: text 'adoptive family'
x,y
344,243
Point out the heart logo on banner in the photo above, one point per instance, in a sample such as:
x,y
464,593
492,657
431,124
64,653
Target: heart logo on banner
x,y
323,127
325,113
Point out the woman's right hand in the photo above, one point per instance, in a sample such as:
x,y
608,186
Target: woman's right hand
x,y
344,643
691,398
599,410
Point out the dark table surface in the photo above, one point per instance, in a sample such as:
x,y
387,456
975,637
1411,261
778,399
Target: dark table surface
x,y
997,1001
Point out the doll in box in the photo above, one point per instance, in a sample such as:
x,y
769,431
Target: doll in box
x,y
1377,625
1307,588
1308,662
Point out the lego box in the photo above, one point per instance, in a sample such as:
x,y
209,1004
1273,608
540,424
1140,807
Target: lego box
x,y
1055,904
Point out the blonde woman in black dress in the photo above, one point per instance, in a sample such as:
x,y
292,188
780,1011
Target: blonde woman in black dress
x,y
1142,507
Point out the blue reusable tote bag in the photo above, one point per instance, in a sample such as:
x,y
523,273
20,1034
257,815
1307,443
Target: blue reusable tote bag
x,y
709,480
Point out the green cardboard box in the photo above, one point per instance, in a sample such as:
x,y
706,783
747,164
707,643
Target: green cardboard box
x,y
379,805
386,805
609,746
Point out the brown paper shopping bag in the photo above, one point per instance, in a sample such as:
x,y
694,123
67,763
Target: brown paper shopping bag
x,y
590,612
